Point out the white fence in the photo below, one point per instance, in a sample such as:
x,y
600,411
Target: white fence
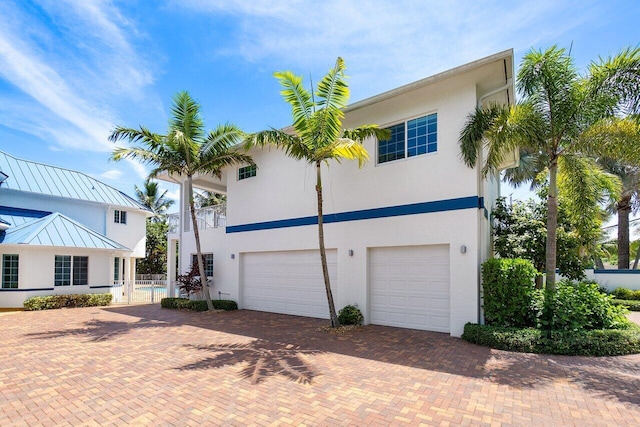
x,y
139,291
612,279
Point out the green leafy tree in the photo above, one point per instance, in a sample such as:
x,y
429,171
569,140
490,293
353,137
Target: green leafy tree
x,y
520,232
149,195
155,260
317,136
207,198
184,151
561,119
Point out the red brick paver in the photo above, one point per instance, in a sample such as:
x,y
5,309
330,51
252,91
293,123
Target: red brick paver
x,y
142,365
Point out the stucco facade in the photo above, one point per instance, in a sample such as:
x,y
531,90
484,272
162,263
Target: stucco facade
x,y
430,209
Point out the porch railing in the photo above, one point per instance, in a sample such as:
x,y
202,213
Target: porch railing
x,y
208,217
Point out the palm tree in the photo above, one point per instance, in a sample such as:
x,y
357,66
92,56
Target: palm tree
x,y
559,119
317,137
149,196
184,151
627,202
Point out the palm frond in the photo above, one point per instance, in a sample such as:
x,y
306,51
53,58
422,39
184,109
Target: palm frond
x,y
617,78
292,145
185,117
361,133
297,97
223,136
613,138
342,148
532,164
333,95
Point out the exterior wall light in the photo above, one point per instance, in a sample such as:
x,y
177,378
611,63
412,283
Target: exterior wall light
x,y
463,249
233,256
350,252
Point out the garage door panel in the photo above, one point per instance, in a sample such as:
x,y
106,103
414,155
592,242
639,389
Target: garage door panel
x,y
409,287
288,282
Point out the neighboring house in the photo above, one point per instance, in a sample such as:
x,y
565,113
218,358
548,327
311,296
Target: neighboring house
x,y
405,235
63,232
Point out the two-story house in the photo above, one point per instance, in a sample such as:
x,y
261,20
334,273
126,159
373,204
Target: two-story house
x,y
62,231
405,234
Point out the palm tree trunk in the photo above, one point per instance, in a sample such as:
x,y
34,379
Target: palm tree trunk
x,y
624,209
196,235
635,263
323,253
552,225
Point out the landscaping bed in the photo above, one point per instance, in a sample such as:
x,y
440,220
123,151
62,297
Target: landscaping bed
x,y
197,305
52,302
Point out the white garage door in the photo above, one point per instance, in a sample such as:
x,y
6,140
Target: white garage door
x,y
409,287
287,282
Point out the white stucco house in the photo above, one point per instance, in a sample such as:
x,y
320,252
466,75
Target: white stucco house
x,y
63,232
405,235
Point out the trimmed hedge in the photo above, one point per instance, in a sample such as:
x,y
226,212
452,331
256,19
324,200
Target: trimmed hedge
x,y
597,342
52,302
197,305
626,294
632,305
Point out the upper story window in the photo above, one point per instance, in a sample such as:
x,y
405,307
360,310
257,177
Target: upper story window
x,y
208,263
10,271
411,138
247,172
120,217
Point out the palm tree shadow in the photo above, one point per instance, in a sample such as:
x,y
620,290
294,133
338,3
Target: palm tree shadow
x,y
100,330
263,359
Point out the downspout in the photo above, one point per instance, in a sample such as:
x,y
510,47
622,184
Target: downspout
x,y
506,86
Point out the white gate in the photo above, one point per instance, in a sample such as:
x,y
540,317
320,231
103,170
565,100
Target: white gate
x,y
139,291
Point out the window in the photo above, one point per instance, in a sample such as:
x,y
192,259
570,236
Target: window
x,y
9,271
120,217
116,269
247,172
71,270
208,263
420,137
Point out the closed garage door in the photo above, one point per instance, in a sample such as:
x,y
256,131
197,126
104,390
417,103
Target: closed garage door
x,y
409,287
287,282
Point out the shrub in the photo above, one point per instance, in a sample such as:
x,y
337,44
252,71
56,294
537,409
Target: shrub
x,y
602,342
510,297
190,283
197,305
72,300
581,306
350,315
626,294
632,305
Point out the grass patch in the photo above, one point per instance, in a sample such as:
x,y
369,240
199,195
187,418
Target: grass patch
x,y
631,305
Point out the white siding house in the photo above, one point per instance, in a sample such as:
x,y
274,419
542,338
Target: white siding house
x,y
405,234
62,231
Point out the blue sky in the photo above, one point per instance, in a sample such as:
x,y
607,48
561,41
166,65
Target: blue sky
x,y
72,70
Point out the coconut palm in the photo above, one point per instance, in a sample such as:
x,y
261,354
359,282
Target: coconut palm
x,y
317,136
184,151
149,195
560,119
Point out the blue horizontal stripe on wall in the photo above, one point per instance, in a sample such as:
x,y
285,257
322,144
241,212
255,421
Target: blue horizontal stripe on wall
x,y
102,286
617,271
24,290
389,211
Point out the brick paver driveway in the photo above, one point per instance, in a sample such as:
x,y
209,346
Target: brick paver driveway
x,y
142,365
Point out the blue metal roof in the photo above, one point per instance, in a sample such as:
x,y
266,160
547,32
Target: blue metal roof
x,y
57,230
25,175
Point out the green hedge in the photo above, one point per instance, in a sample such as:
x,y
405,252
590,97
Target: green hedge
x,y
597,342
510,295
626,294
197,305
633,305
72,300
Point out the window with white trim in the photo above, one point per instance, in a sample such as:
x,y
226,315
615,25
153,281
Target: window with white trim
x,y
70,270
208,263
411,138
247,172
10,271
120,217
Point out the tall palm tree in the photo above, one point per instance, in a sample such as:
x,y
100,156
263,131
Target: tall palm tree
x,y
559,119
149,195
318,137
184,151
627,202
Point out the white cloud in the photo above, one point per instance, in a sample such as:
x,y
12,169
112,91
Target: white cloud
x,y
112,174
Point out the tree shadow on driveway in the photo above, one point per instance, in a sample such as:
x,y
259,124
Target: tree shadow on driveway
x,y
263,359
100,330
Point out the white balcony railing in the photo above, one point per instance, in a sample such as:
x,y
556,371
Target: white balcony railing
x,y
208,217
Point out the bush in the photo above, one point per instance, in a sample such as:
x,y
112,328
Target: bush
x,y
603,342
626,294
72,300
350,315
197,305
632,305
510,297
581,306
